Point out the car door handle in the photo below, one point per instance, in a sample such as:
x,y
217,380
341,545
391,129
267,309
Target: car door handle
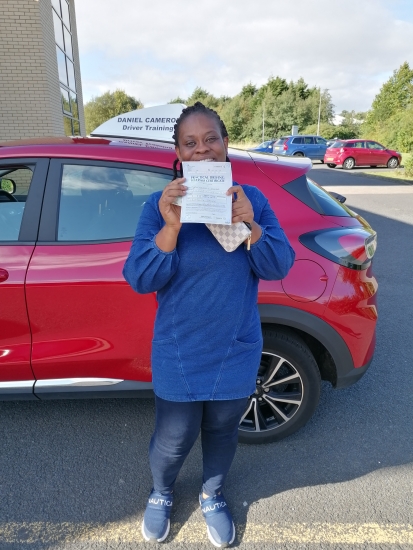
x,y
4,275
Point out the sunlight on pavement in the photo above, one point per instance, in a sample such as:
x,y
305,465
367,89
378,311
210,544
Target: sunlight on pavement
x,y
345,534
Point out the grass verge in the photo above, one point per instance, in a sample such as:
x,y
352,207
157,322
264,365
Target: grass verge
x,y
398,173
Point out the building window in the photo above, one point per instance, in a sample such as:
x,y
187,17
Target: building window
x,y
66,68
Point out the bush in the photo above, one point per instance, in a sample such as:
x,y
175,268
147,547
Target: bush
x,y
408,167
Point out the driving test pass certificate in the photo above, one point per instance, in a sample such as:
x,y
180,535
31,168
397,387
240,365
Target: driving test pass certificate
x,y
206,200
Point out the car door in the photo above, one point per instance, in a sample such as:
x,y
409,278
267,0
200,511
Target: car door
x,y
377,153
321,147
21,192
91,332
360,153
310,147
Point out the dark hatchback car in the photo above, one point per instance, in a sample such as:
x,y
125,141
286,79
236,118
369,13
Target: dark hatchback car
x,y
72,327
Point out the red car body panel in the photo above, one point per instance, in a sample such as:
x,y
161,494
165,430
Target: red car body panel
x,y
15,338
101,328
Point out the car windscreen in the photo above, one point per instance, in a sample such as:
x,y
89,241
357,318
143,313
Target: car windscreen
x,y
280,141
337,145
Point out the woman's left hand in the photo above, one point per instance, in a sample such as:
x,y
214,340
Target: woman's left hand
x,y
241,206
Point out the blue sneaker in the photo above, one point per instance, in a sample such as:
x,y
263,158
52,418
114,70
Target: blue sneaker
x,y
220,527
156,522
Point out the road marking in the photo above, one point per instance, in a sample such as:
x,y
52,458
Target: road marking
x,y
194,532
370,189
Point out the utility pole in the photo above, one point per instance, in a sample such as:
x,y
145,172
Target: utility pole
x,y
319,113
263,124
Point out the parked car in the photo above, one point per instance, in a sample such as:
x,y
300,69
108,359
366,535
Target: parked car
x,y
360,152
71,327
313,147
331,142
264,147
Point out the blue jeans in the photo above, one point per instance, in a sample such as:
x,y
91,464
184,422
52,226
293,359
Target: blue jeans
x,y
176,430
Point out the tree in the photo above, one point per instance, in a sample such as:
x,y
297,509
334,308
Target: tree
x,y
178,100
390,120
282,104
106,106
199,94
395,95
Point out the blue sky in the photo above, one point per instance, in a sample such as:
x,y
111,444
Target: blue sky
x,y
160,50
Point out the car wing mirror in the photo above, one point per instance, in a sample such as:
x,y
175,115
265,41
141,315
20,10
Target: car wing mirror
x,y
338,197
8,185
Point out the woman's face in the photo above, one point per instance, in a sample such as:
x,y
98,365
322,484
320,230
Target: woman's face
x,y
200,139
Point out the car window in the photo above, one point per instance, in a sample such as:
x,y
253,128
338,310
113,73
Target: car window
x,y
359,145
14,188
297,140
374,145
321,141
103,203
308,140
316,198
329,205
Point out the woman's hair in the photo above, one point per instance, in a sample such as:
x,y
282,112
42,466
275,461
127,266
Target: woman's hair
x,y
197,108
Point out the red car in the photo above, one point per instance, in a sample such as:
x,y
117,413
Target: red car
x,y
72,327
360,152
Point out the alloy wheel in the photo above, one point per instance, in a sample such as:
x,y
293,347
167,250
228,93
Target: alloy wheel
x,y
278,395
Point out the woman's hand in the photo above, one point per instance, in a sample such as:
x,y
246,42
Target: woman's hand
x,y
171,213
241,206
167,237
242,211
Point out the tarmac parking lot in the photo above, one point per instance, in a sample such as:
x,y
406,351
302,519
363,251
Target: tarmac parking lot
x,y
74,475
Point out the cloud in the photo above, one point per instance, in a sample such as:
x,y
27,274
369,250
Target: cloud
x,y
159,50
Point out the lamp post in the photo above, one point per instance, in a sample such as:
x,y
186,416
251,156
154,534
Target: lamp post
x,y
319,114
263,110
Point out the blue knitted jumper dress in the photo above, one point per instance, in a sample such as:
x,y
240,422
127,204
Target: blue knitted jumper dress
x,y
207,338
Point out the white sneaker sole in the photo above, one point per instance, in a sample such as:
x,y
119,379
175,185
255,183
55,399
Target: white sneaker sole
x,y
148,539
222,545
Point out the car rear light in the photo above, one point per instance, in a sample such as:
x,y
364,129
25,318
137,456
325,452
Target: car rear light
x,y
350,247
285,146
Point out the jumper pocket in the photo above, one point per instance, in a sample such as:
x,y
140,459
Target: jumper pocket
x,y
166,369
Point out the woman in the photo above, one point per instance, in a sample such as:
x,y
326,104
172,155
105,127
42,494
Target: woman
x,y
207,340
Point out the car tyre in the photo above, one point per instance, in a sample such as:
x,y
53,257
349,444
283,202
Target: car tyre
x,y
287,389
349,163
331,165
298,155
392,163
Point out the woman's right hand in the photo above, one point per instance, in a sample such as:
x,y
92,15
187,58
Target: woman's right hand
x,y
171,213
